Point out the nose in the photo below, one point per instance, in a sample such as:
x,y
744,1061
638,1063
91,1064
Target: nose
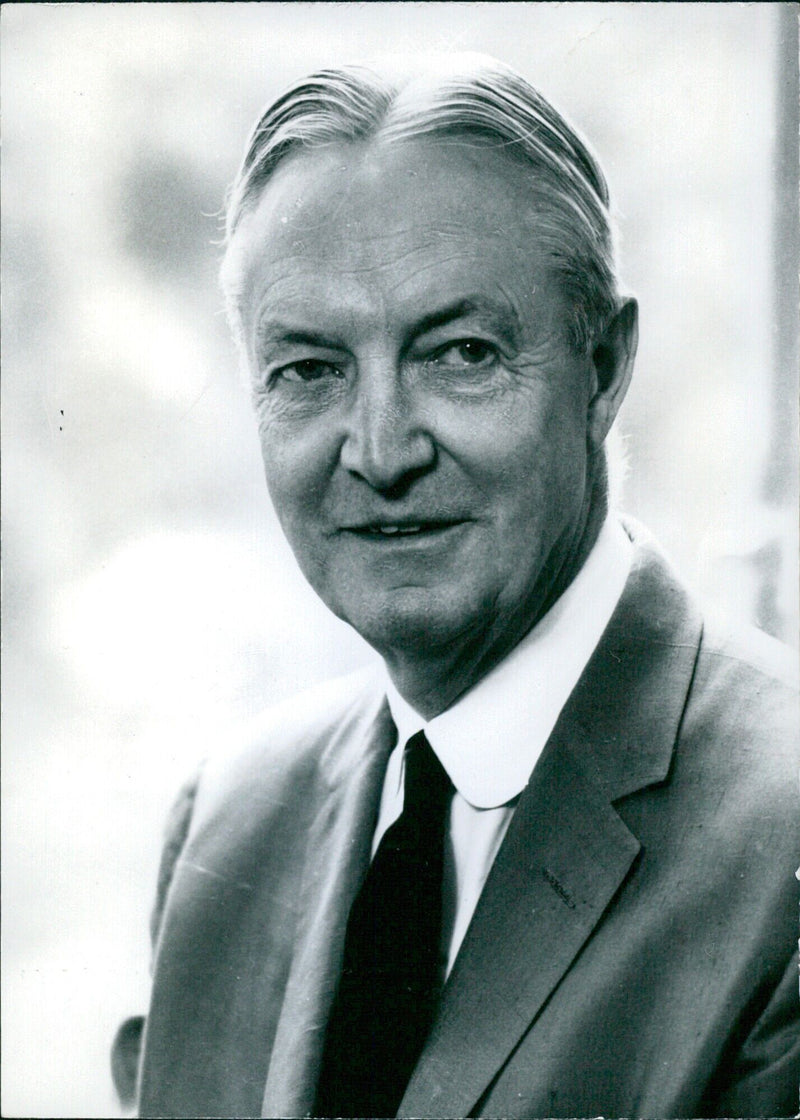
x,y
388,442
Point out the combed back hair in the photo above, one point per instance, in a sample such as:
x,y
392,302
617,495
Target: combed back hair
x,y
460,98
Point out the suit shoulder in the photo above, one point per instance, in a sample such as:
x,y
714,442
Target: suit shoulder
x,y
744,705
748,653
750,681
283,744
302,716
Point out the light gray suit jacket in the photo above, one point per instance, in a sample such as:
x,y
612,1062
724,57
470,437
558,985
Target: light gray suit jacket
x,y
632,953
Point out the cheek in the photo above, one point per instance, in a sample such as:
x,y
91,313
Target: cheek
x,y
287,474
299,463
536,470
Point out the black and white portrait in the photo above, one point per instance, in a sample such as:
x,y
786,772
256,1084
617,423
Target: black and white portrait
x,y
400,560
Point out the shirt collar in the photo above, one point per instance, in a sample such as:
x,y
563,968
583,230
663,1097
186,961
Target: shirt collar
x,y
490,739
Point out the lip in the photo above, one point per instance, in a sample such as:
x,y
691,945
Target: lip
x,y
402,529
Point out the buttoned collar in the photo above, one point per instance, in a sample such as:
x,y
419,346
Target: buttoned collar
x,y
490,739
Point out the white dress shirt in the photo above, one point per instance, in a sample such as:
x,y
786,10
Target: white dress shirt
x,y
490,740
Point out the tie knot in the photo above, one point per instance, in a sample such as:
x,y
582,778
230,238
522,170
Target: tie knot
x,y
427,786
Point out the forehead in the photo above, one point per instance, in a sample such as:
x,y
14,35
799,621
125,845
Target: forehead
x,y
390,224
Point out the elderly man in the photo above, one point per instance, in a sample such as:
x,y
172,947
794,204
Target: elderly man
x,y
544,866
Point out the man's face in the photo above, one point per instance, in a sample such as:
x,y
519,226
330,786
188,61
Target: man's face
x,y
423,419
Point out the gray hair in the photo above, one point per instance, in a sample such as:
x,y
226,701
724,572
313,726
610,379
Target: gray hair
x,y
454,98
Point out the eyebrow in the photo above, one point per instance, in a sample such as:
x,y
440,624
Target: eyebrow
x,y
279,333
503,317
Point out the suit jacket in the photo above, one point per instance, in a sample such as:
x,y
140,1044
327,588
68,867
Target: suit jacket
x,y
632,953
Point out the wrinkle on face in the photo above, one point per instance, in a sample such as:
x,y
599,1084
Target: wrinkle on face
x,y
328,216
370,261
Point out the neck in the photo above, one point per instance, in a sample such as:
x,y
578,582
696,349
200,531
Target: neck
x,y
433,682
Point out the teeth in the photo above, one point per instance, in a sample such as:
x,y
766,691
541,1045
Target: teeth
x,y
394,530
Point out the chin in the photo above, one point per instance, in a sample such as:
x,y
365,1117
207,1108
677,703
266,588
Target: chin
x,y
415,625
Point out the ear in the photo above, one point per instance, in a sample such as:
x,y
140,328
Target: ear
x,y
612,364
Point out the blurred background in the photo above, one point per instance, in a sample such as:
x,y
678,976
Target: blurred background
x,y
150,603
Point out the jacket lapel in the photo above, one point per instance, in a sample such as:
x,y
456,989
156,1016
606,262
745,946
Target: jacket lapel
x,y
564,856
338,855
567,851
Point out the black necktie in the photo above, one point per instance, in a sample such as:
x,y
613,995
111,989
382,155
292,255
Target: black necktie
x,y
391,972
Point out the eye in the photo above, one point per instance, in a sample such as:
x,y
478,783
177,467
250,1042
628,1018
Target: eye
x,y
307,370
465,352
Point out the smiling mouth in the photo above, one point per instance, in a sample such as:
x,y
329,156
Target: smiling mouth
x,y
413,529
